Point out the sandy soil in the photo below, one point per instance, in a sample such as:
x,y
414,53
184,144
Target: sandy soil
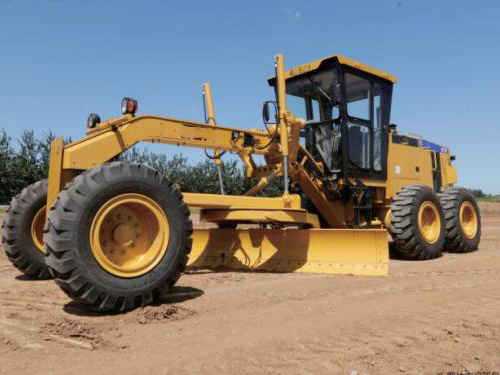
x,y
426,317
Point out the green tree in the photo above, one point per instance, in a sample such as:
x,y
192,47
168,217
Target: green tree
x,y
27,166
6,157
478,193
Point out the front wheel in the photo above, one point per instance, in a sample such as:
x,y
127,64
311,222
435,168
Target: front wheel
x,y
118,236
22,234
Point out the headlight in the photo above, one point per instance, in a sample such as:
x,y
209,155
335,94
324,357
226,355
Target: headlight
x,y
93,120
129,105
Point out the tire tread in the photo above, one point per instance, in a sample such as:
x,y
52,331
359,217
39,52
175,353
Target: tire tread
x,y
404,228
68,272
455,241
24,260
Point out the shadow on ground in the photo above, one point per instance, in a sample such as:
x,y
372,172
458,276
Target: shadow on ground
x,y
176,295
394,254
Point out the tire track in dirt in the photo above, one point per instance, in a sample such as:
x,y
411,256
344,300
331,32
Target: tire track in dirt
x,y
19,333
445,273
440,282
388,344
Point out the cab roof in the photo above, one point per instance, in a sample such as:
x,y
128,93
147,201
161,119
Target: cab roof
x,y
305,68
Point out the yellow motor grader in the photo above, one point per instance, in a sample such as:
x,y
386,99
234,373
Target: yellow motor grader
x,y
115,235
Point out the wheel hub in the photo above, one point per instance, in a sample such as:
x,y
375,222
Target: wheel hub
x,y
429,222
468,220
129,235
124,235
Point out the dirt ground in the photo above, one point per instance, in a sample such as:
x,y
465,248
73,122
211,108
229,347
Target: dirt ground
x,y
426,317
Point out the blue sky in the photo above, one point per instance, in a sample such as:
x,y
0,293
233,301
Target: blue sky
x,y
61,60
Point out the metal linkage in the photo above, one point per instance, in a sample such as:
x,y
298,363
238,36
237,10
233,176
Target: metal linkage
x,y
209,110
282,123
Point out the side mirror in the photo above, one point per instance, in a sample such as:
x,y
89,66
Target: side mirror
x,y
392,127
267,111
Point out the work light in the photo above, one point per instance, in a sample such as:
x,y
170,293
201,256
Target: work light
x,y
129,105
93,120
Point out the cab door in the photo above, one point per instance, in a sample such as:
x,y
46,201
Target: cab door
x,y
365,121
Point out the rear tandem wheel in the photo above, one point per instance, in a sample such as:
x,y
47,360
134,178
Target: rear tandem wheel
x,y
417,223
462,220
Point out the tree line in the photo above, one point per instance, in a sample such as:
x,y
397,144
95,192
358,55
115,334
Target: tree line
x,y
27,160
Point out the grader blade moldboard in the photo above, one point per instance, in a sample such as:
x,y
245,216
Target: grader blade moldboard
x,y
329,251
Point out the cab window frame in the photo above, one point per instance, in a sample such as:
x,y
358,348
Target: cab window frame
x,y
351,167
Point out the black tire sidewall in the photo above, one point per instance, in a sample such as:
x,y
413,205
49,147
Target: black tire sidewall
x,y
429,196
23,209
465,244
404,229
167,265
26,220
466,196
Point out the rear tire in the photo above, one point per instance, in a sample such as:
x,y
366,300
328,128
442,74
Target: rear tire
x,y
417,223
462,220
22,231
80,269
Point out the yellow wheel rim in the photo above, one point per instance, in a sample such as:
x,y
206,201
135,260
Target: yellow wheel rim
x,y
37,225
129,235
468,219
429,222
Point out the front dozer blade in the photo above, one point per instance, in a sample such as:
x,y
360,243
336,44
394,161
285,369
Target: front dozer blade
x,y
330,251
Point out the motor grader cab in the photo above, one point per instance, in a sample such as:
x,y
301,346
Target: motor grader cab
x,y
345,107
115,235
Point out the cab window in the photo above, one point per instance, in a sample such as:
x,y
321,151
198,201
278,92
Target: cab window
x,y
358,123
296,105
357,96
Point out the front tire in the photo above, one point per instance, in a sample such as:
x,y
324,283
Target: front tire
x,y
417,223
22,231
118,236
462,220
